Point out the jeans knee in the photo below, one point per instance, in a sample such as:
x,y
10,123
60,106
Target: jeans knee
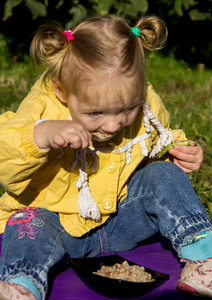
x,y
27,222
164,165
24,215
165,170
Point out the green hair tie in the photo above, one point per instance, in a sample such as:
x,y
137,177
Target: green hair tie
x,y
136,31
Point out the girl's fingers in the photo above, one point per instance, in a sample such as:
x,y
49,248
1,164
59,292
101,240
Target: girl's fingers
x,y
187,168
184,156
77,141
174,145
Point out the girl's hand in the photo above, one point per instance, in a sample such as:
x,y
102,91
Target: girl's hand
x,y
56,134
188,158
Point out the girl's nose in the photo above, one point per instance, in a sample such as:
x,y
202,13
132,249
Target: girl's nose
x,y
111,124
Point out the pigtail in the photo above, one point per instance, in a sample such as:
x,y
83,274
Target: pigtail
x,y
48,48
153,32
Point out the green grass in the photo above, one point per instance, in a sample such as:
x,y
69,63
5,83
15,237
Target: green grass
x,y
15,83
186,93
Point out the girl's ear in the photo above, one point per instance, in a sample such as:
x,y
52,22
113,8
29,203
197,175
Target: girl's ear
x,y
58,90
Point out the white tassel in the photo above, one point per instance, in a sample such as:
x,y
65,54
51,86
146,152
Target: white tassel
x,y
86,204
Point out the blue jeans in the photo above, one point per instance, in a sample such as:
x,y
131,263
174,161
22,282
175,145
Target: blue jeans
x,y
160,199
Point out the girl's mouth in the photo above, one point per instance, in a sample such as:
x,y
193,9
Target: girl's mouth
x,y
97,136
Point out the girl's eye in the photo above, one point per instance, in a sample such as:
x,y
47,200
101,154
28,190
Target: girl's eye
x,y
96,113
132,107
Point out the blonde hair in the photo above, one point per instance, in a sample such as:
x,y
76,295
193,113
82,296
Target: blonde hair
x,y
101,44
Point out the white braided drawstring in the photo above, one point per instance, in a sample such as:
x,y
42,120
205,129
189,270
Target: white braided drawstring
x,y
165,137
86,204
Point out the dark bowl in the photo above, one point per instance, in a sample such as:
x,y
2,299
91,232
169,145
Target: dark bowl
x,y
114,288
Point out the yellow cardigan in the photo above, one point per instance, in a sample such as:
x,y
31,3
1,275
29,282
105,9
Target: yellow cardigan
x,y
42,178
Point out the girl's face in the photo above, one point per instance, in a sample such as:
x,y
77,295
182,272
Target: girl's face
x,y
105,117
106,104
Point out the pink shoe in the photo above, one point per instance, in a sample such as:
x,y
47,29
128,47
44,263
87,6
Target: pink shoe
x,y
12,291
196,278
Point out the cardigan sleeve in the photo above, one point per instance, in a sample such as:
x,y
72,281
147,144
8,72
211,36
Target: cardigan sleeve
x,y
20,157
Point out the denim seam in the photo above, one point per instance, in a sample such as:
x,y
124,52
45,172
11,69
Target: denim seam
x,y
123,203
101,243
105,241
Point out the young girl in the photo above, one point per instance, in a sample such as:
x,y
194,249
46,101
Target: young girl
x,y
79,160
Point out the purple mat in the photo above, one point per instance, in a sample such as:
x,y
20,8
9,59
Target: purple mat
x,y
157,256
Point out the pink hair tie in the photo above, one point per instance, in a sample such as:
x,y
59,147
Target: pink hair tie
x,y
69,37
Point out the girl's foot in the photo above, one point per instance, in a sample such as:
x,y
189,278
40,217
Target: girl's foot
x,y
12,291
196,278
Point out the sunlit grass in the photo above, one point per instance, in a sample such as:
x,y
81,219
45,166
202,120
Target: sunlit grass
x,y
187,94
15,83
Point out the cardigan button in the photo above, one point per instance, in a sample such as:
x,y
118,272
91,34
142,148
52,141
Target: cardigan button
x,y
107,204
111,167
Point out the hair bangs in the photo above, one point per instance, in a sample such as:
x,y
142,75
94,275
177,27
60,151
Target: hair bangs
x,y
106,88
